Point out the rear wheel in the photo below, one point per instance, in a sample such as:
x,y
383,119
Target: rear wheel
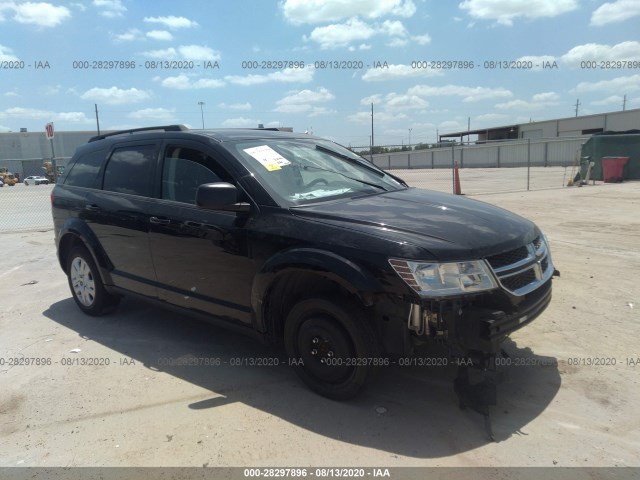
x,y
86,285
333,349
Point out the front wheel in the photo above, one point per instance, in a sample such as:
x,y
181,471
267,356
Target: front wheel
x,y
86,285
333,349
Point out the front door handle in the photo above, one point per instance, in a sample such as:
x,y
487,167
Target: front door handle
x,y
159,221
91,207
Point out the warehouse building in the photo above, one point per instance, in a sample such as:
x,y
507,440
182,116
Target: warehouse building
x,y
620,121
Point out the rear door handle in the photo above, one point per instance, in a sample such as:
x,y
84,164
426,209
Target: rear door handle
x,y
92,208
159,221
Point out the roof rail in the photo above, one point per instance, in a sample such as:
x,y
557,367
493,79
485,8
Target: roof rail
x,y
164,128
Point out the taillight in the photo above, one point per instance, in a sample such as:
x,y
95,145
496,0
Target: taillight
x,y
53,198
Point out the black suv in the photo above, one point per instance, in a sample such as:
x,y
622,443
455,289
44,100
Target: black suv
x,y
300,242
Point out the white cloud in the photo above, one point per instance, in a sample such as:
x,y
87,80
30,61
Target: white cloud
x,y
303,101
612,100
184,82
128,36
612,12
421,39
489,118
38,13
398,72
72,117
303,97
451,125
322,11
394,101
537,102
342,35
50,89
155,114
598,52
6,54
505,11
12,94
240,107
469,94
288,75
115,95
377,98
172,22
629,83
198,52
241,122
163,54
160,35
188,52
110,8
36,114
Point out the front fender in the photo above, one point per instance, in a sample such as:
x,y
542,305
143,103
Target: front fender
x,y
349,275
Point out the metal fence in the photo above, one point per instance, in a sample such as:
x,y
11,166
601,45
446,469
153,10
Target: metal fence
x,y
512,165
30,166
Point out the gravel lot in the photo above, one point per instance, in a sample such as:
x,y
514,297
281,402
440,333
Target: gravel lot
x,y
568,404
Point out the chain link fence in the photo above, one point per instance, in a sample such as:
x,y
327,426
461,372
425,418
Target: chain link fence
x,y
502,166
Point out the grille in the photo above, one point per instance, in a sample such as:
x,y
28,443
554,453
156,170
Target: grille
x,y
508,258
524,269
516,282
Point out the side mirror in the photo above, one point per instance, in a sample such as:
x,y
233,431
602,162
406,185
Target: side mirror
x,y
220,196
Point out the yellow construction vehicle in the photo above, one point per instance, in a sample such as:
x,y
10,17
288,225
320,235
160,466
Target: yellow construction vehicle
x,y
7,177
48,171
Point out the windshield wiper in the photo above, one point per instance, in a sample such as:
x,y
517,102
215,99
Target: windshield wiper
x,y
353,161
305,167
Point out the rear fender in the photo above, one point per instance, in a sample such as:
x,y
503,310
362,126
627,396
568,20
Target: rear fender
x,y
75,229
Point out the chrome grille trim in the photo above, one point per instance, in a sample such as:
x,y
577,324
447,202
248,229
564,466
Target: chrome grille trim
x,y
533,271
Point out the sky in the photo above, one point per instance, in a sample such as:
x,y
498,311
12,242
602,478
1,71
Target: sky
x,y
428,67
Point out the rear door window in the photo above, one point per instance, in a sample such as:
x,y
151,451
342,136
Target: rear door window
x,y
130,170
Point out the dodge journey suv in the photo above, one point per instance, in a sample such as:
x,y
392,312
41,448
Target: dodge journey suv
x,y
300,242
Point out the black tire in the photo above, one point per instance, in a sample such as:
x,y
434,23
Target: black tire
x,y
86,285
329,345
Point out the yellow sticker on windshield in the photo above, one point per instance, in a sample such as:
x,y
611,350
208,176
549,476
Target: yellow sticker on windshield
x,y
268,157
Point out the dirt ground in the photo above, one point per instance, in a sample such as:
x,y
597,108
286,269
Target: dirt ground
x,y
101,392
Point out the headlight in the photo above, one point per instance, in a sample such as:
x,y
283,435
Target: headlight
x,y
432,279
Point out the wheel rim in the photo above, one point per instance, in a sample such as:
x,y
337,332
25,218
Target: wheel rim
x,y
82,282
326,350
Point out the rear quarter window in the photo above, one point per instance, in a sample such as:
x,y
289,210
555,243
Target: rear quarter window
x,y
84,171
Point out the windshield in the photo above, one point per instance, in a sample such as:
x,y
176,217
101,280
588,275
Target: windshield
x,y
297,172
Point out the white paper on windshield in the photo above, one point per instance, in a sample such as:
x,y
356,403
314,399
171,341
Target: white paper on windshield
x,y
268,157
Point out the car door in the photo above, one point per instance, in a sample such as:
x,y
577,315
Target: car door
x,y
119,212
201,257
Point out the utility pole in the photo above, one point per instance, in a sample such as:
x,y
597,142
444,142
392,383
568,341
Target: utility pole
x,y
201,113
577,106
97,118
372,142
624,103
410,137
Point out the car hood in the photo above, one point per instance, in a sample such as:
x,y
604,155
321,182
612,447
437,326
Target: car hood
x,y
450,227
